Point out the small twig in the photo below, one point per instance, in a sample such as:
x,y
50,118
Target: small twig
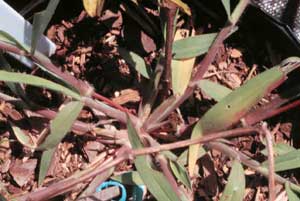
x,y
109,102
206,138
272,193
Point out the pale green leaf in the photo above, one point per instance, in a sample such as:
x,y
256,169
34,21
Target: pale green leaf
x,y
45,164
214,90
155,181
183,158
129,178
136,62
36,81
40,23
24,139
6,37
181,74
14,87
226,4
93,7
293,196
235,188
288,161
192,46
279,149
181,174
61,124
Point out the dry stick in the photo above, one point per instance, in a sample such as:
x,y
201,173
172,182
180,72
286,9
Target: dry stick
x,y
202,67
272,193
233,153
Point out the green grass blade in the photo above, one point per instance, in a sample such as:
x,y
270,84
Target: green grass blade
x,y
214,90
36,81
192,46
288,161
62,124
153,179
235,188
181,174
14,87
6,37
45,164
40,23
233,107
279,149
226,4
24,139
136,62
293,196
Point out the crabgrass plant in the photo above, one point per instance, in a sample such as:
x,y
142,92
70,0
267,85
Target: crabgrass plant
x,y
173,178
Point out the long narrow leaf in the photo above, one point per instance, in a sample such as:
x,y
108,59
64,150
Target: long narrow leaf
x,y
14,87
6,37
153,179
226,4
62,124
40,23
214,90
192,46
291,194
288,161
45,164
233,107
235,188
135,61
22,137
36,81
180,174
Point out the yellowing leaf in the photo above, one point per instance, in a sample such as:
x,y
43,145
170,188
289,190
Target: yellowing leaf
x,y
93,7
181,74
182,6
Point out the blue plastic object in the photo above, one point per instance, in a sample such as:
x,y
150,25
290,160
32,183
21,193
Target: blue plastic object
x,y
113,183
